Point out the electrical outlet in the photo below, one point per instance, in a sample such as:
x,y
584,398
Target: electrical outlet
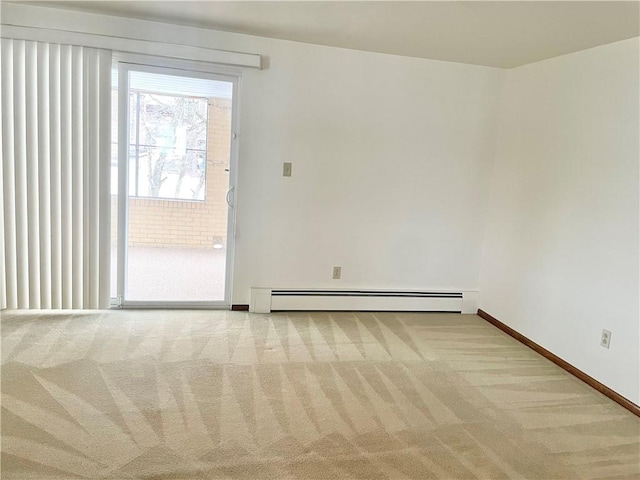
x,y
605,340
337,271
286,169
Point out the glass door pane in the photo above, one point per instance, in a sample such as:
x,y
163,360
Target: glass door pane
x,y
179,135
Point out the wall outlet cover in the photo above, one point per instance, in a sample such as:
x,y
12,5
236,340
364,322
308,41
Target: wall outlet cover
x,y
337,271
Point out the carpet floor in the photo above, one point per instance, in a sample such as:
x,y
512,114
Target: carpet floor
x,y
232,395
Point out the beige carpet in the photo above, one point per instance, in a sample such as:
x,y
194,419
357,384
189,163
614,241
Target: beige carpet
x,y
230,395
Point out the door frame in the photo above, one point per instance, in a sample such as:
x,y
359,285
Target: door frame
x,y
130,62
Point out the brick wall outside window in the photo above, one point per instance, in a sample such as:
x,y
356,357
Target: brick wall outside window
x,y
163,222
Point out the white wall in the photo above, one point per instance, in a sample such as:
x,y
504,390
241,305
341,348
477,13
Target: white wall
x,y
561,260
391,163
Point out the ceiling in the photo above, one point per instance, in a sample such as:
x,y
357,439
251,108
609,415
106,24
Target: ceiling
x,y
499,34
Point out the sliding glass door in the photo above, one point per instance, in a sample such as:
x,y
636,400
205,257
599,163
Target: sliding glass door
x,y
175,170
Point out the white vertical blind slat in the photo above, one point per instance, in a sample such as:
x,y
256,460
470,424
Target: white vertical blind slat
x,y
33,181
54,149
65,174
104,180
77,177
8,176
55,185
20,155
3,270
93,172
44,175
86,157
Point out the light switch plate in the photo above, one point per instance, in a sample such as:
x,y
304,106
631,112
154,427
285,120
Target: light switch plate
x,y
286,169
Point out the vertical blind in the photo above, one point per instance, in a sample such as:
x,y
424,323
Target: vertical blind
x,y
54,175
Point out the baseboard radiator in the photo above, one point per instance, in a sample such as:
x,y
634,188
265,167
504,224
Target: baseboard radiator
x,y
265,300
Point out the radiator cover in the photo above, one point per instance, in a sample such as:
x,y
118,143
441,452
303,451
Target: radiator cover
x,y
265,300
